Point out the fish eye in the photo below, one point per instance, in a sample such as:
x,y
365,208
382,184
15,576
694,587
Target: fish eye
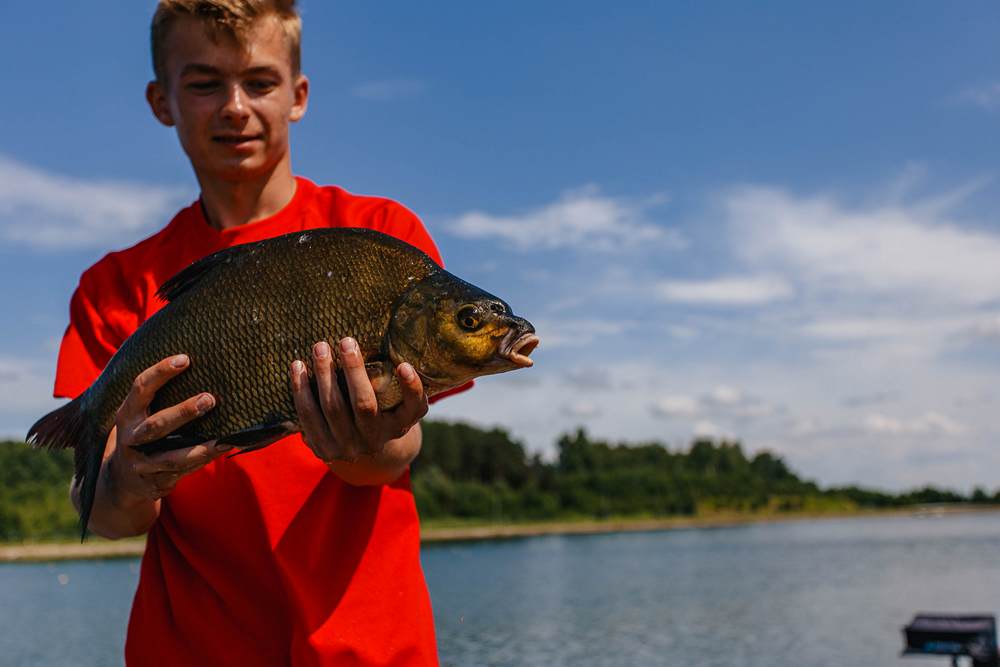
x,y
468,318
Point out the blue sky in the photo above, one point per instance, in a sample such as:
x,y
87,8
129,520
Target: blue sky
x,y
770,222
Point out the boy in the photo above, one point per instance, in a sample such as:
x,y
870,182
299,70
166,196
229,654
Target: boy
x,y
306,552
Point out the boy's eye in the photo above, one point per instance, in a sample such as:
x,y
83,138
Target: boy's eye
x,y
261,85
202,86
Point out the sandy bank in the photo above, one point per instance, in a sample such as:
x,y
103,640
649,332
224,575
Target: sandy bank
x,y
132,548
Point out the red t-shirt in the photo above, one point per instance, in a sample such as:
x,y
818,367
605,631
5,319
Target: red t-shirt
x,y
268,558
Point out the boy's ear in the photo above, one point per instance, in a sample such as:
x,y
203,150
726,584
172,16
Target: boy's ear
x,y
157,98
301,103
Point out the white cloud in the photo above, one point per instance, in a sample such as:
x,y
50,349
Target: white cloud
x,y
912,176
578,333
864,400
48,211
866,329
725,395
930,423
857,329
882,424
582,218
806,426
25,393
987,328
582,409
589,378
986,96
736,404
721,401
707,429
913,337
681,332
388,90
733,291
675,406
890,251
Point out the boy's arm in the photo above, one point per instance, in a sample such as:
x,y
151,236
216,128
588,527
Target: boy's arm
x,y
383,467
130,484
360,443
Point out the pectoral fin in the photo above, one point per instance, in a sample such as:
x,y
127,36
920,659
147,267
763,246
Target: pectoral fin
x,y
258,437
385,383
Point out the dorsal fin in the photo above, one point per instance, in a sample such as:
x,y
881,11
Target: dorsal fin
x,y
188,277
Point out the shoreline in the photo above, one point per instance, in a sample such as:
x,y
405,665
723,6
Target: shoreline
x,y
98,548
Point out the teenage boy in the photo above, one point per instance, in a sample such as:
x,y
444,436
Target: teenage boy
x,y
306,552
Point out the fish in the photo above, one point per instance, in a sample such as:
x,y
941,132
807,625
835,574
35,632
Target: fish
x,y
245,313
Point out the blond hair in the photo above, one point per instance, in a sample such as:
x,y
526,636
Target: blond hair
x,y
224,19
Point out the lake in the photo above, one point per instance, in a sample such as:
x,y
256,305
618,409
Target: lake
x,y
831,592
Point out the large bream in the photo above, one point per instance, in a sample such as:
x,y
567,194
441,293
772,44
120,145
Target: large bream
x,y
244,314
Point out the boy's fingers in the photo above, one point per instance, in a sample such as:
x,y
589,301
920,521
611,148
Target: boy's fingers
x,y
311,418
335,410
168,420
148,382
363,400
330,398
414,404
179,461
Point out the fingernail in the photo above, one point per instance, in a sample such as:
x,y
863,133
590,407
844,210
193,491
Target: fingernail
x,y
179,361
406,372
298,367
348,346
223,448
205,403
321,350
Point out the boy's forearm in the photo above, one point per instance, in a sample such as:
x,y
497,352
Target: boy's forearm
x,y
384,467
116,513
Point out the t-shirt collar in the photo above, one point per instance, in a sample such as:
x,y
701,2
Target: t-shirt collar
x,y
258,229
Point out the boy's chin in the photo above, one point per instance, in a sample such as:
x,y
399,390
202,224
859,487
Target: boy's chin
x,y
243,169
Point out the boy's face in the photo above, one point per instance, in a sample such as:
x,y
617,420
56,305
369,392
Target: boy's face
x,y
231,104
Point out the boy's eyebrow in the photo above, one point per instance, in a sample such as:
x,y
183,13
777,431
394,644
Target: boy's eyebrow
x,y
202,68
262,69
199,68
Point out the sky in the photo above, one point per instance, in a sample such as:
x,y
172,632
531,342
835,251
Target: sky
x,y
777,223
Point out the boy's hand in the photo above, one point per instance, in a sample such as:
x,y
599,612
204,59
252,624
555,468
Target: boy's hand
x,y
352,428
133,476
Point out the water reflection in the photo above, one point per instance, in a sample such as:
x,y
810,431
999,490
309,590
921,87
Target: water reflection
x,y
800,593
817,593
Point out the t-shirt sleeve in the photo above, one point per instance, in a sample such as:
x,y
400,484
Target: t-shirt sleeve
x,y
401,222
89,342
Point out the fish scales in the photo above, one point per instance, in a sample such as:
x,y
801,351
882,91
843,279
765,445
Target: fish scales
x,y
242,341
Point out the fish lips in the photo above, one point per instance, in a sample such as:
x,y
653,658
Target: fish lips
x,y
519,342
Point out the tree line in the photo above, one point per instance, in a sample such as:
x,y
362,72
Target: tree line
x,y
469,473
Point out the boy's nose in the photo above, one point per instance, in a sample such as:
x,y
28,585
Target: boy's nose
x,y
235,110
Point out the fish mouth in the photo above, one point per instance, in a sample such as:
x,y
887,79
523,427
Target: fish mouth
x,y
517,351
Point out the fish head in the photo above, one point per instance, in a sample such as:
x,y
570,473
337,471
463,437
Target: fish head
x,y
451,331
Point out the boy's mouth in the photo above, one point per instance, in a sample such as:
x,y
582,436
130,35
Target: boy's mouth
x,y
236,139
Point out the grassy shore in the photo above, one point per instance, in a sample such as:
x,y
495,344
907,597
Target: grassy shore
x,y
461,531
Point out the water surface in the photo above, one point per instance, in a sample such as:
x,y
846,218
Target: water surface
x,y
832,592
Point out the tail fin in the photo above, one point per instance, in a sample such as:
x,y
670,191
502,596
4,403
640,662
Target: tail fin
x,y
69,426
